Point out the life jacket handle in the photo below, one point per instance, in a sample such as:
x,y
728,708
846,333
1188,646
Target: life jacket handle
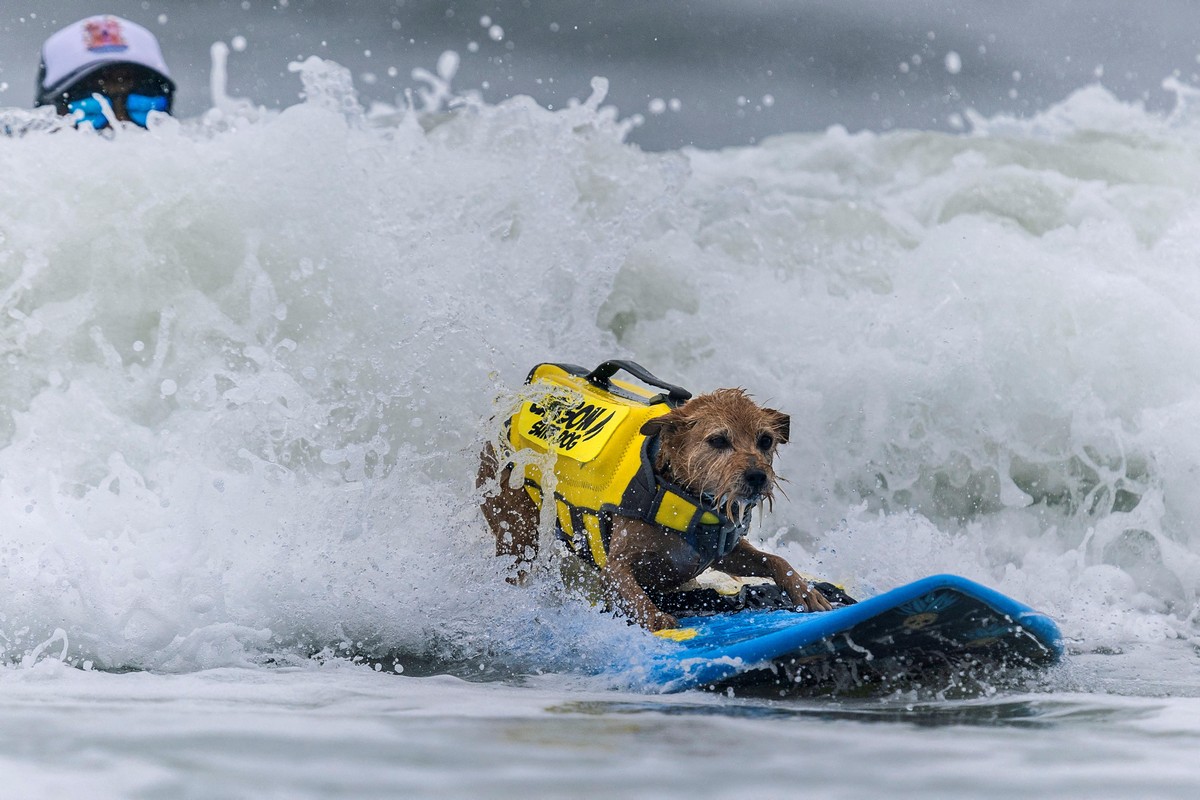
x,y
601,374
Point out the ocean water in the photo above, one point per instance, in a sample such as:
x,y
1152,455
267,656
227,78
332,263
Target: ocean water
x,y
706,73
250,357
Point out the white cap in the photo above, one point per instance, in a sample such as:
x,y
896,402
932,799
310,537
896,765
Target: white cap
x,y
86,46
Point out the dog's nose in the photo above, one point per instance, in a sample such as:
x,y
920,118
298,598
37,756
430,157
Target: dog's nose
x,y
756,479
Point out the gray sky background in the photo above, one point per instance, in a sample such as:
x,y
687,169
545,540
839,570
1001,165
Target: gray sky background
x,y
703,72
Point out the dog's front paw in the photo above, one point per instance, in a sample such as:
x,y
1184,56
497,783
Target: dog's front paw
x,y
660,621
519,578
812,600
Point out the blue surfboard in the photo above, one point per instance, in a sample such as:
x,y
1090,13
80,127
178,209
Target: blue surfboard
x,y
936,622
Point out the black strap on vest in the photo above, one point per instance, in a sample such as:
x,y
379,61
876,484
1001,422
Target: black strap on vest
x,y
642,500
645,494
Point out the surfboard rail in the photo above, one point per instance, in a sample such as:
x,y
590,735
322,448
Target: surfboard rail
x,y
938,620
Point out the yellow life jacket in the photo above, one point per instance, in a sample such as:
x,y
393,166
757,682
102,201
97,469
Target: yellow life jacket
x,y
604,465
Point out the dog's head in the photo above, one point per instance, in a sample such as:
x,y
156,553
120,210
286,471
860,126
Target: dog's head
x,y
721,445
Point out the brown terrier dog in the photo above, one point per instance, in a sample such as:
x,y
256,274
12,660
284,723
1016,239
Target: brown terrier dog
x,y
718,446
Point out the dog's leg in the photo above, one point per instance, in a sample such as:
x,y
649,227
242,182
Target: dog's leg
x,y
747,560
626,593
628,554
510,513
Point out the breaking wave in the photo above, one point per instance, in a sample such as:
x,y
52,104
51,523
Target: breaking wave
x,y
250,359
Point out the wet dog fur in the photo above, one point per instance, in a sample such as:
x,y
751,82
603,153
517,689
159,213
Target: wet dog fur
x,y
721,445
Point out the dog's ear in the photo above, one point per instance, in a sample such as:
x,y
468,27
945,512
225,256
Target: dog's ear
x,y
671,421
781,424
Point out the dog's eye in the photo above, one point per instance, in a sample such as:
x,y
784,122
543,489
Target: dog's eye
x,y
718,441
765,441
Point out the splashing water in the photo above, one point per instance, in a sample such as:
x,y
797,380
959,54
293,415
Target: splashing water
x,y
250,359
